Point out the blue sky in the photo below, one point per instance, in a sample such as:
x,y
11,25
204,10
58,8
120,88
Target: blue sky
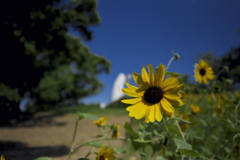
x,y
133,33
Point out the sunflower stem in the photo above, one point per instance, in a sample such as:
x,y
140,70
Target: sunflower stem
x,y
179,128
73,139
170,61
225,145
171,141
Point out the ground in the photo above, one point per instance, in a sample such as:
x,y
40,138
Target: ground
x,y
50,135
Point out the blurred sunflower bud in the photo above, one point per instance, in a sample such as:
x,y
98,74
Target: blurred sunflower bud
x,y
176,55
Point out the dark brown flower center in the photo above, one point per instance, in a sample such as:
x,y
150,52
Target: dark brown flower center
x,y
153,95
101,157
202,72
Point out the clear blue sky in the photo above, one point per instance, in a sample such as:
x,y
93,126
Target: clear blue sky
x,y
133,33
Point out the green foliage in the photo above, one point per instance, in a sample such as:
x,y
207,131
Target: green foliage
x,y
207,126
8,93
87,116
8,98
210,134
130,131
179,119
181,144
43,59
95,144
189,153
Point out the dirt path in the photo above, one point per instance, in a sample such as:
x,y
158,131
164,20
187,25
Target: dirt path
x,y
50,135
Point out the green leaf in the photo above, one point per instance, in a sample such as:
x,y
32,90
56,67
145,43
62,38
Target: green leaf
x,y
121,150
130,131
174,130
43,158
128,128
87,116
144,155
95,144
193,136
179,119
232,128
189,152
182,145
145,141
203,122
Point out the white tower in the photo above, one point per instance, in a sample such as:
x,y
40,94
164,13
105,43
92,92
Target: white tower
x,y
118,85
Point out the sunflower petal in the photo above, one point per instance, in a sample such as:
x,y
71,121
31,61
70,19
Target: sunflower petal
x,y
166,105
168,114
203,64
171,82
147,120
170,96
134,109
132,100
209,70
158,114
131,86
139,81
160,75
205,80
146,117
175,90
151,75
176,102
142,112
197,67
210,76
151,114
145,75
132,93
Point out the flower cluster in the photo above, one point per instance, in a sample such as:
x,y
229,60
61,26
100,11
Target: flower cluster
x,y
155,97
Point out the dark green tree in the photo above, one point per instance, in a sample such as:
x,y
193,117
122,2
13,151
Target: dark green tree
x,y
231,60
40,57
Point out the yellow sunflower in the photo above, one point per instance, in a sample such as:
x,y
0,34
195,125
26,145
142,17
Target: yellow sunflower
x,y
116,132
105,153
195,108
154,95
203,72
2,157
101,122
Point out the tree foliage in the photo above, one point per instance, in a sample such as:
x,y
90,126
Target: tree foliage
x,y
40,57
231,60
